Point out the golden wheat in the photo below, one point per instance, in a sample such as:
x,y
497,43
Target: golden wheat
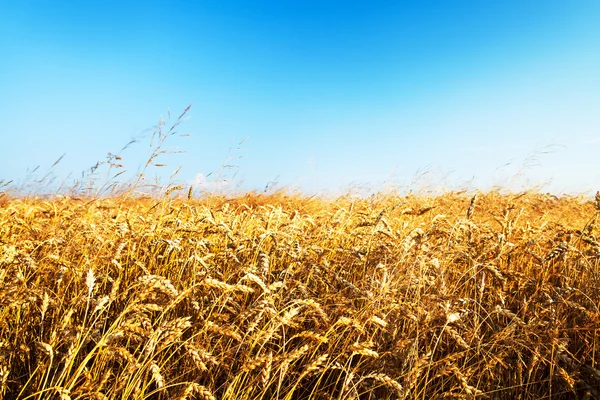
x,y
281,296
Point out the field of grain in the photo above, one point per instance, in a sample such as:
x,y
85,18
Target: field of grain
x,y
288,297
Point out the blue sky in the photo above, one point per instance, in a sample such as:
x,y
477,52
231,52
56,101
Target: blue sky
x,y
330,95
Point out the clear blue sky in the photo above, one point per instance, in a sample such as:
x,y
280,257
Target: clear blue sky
x,y
329,94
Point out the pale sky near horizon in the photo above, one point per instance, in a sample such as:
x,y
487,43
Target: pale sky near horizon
x,y
329,94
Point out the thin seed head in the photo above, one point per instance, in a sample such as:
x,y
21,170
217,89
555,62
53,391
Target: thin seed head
x,y
472,206
90,281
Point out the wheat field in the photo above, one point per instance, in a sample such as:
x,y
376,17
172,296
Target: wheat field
x,y
288,297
